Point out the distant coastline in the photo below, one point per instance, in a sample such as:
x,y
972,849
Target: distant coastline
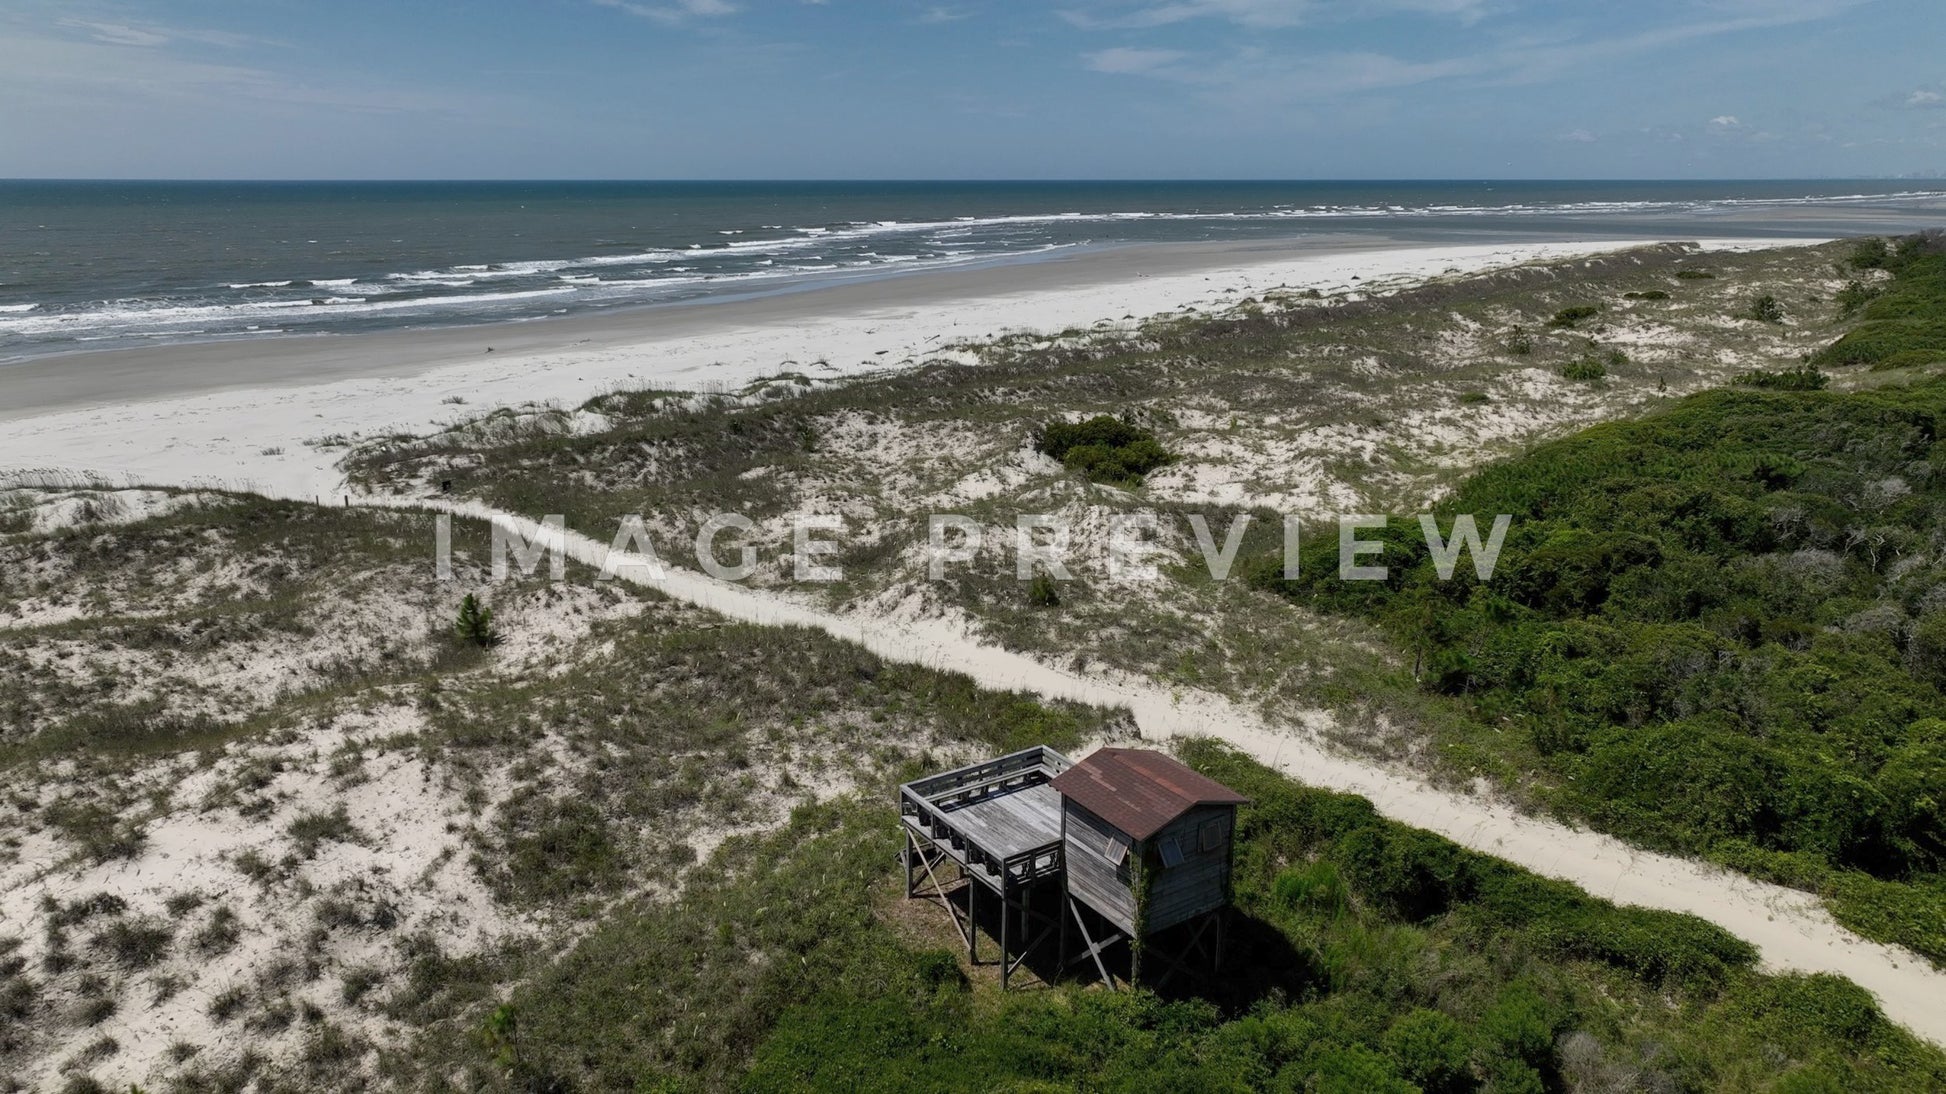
x,y
273,415
101,265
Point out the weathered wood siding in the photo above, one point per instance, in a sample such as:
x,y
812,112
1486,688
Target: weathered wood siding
x,y
1201,882
1092,879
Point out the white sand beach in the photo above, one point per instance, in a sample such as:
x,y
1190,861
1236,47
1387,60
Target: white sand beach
x,y
248,414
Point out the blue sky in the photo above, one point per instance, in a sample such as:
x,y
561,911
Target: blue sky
x,y
972,88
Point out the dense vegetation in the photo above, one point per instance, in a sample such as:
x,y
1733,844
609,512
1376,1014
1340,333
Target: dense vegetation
x,y
1904,325
1105,448
1717,630
1790,379
1367,956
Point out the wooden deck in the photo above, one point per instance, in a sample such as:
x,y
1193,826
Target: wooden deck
x,y
998,820
1009,824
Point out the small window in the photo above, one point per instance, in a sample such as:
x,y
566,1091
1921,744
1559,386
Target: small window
x,y
1213,833
1116,850
1171,852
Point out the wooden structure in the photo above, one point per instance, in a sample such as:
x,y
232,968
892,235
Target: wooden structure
x,y
1148,849
1127,846
998,825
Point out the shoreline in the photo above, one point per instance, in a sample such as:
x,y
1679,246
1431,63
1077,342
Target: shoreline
x,y
238,414
76,378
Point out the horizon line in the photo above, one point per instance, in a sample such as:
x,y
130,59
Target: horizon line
x,y
971,180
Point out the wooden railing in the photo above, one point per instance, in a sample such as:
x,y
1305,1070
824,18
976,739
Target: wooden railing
x,y
1038,758
930,801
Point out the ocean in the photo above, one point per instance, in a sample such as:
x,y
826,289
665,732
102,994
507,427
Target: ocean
x,y
95,265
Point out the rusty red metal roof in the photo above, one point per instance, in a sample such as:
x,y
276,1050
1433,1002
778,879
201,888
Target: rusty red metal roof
x,y
1138,790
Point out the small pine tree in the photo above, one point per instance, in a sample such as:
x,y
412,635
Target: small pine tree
x,y
1766,309
1041,592
476,624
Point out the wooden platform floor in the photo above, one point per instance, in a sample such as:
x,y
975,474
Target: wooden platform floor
x,y
1004,825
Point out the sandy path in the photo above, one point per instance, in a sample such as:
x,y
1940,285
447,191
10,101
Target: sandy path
x,y
1791,929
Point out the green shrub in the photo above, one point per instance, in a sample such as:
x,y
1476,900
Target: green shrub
x,y
500,1037
1795,379
1695,275
1105,448
1766,309
1474,398
1647,294
1316,888
1519,343
1355,1069
1126,464
1572,315
1870,254
1912,913
1041,592
1100,431
1854,296
359,982
1818,1004
1520,1026
1430,1050
1585,369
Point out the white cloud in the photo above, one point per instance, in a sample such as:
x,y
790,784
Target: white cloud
x,y
149,35
1579,136
69,72
1725,121
1253,76
677,12
1272,13
1258,73
1923,98
118,34
1122,60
